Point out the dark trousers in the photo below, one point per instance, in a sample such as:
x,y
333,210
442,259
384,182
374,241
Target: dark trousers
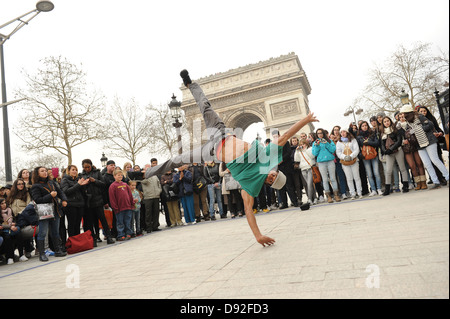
x,y
95,214
74,215
151,214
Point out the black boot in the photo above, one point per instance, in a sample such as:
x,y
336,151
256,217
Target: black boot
x,y
405,188
58,249
109,240
185,76
41,248
387,190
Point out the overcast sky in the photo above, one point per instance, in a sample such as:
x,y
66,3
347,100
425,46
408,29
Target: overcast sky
x,y
136,48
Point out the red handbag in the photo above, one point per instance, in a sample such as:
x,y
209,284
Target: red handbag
x,y
79,243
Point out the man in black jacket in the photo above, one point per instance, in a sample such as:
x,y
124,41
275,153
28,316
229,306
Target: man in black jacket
x,y
287,167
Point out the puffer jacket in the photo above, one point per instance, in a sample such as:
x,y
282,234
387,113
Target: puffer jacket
x,y
324,151
73,191
95,192
40,192
27,217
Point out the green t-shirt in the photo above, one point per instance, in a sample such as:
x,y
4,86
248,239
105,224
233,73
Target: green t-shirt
x,y
252,168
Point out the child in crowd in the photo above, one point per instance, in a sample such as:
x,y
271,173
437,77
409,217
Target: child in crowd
x,y
135,218
122,203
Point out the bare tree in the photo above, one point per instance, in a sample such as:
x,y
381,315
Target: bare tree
x,y
59,113
415,70
129,130
163,135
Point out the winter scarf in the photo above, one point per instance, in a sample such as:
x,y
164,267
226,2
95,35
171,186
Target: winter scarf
x,y
420,133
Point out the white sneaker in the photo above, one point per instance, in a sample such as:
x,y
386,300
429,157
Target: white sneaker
x,y
10,261
380,192
343,196
321,199
315,201
23,258
373,193
353,197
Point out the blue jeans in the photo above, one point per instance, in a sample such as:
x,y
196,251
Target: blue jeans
x,y
341,177
328,168
188,206
429,156
215,194
123,220
43,227
373,170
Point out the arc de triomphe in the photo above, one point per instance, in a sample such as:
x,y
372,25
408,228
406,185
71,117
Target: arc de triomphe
x,y
274,92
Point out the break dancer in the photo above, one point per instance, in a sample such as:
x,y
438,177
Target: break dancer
x,y
251,165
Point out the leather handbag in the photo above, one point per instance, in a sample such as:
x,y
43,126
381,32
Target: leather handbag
x,y
368,152
317,178
79,243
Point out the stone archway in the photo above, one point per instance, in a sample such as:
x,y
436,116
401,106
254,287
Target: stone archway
x,y
274,92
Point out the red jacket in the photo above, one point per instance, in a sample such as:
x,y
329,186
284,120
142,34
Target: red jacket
x,y
120,197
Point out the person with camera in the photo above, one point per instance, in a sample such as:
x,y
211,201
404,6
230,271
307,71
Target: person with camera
x,y
94,192
170,195
323,149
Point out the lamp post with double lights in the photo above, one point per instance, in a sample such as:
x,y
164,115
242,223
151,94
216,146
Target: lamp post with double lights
x,y
353,110
41,6
174,107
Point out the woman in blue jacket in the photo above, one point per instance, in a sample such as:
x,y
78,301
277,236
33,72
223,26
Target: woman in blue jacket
x,y
323,149
183,179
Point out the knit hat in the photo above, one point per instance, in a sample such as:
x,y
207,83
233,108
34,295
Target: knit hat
x,y
110,162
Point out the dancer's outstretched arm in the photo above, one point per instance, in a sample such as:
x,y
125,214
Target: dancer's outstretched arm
x,y
251,219
295,128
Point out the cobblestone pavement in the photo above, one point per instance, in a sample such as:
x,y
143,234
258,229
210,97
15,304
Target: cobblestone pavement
x,y
383,247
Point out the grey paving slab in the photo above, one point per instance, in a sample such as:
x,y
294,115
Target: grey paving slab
x,y
382,247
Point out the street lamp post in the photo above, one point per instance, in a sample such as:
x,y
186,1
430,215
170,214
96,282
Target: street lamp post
x,y
41,6
404,98
351,110
174,107
103,160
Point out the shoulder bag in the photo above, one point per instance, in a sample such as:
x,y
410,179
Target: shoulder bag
x,y
348,152
317,178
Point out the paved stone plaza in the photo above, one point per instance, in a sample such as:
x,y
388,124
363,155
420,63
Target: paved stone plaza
x,y
383,247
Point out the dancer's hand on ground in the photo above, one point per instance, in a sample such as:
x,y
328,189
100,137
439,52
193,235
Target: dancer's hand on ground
x,y
264,240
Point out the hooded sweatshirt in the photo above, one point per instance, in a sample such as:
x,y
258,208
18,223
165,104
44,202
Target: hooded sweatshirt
x,y
120,197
